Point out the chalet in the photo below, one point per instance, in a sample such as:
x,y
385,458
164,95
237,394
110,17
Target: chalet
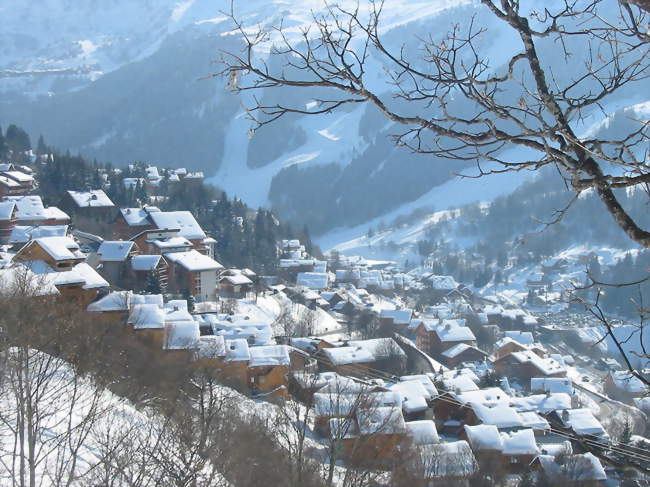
x,y
254,333
148,322
234,284
235,364
422,432
25,181
313,280
10,187
60,253
187,227
268,369
377,434
526,365
434,338
193,274
7,220
30,211
154,241
486,444
351,276
146,267
580,422
415,398
452,410
623,386
357,357
195,178
112,257
181,339
576,469
20,234
130,222
507,345
90,206
463,353
543,385
117,305
395,319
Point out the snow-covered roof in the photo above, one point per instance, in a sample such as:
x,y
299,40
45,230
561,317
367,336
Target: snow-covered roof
x,y
500,415
211,346
380,348
546,366
21,177
459,383
237,280
136,217
313,280
237,350
28,207
533,420
582,421
115,301
381,421
552,384
542,403
456,350
145,262
114,250
194,261
176,310
422,432
444,283
332,405
182,335
7,209
152,172
413,394
95,198
147,316
183,221
523,337
489,396
269,355
576,468
448,332
423,379
60,248
348,355
171,243
520,442
484,437
255,332
626,381
399,316
23,234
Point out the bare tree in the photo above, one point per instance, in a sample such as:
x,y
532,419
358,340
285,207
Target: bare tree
x,y
456,105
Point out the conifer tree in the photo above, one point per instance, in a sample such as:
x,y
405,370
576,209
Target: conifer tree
x,y
153,283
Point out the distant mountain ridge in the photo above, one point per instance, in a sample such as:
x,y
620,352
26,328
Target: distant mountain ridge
x,y
133,87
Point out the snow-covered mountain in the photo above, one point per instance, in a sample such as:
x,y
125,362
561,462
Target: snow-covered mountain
x,y
124,81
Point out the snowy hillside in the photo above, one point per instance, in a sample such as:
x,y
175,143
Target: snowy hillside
x,y
104,81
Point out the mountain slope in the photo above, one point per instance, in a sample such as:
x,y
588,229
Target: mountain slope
x,y
134,89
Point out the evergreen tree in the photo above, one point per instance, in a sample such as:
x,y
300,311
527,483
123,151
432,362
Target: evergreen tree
x,y
3,146
17,139
41,148
153,283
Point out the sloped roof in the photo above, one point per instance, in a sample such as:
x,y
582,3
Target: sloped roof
x,y
194,261
95,198
114,250
184,221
